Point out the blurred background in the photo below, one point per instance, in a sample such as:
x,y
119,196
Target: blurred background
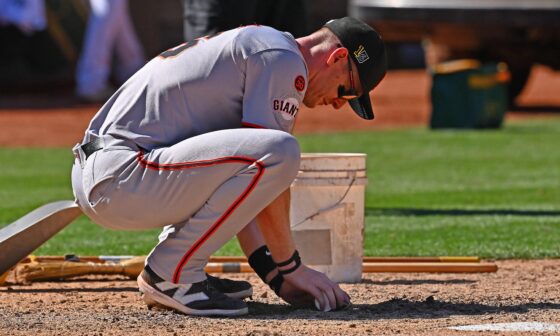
x,y
74,52
418,33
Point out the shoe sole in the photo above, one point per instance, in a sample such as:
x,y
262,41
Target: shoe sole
x,y
241,295
152,297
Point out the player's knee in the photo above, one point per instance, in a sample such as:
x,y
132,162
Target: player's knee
x,y
289,154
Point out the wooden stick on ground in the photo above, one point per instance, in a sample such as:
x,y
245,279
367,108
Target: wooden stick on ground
x,y
429,267
233,259
56,269
379,267
448,259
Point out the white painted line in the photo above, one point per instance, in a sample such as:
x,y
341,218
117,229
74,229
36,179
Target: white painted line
x,y
515,326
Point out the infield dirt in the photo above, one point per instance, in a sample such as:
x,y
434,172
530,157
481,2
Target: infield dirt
x,y
383,304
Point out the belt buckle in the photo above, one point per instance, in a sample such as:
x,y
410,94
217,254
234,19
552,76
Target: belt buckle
x,y
79,154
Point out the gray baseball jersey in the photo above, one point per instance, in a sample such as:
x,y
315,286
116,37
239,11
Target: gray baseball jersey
x,y
196,142
252,76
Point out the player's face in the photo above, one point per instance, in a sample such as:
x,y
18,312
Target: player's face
x,y
335,87
345,93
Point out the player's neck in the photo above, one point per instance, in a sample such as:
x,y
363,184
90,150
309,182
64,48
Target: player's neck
x,y
313,52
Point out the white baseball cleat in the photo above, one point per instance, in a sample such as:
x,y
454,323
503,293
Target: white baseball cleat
x,y
199,298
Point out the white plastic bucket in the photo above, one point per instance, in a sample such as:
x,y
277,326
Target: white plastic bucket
x,y
327,213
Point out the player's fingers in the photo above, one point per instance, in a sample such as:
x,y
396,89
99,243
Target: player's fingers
x,y
318,295
331,296
341,294
342,299
327,288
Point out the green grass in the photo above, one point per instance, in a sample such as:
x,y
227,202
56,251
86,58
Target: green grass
x,y
495,194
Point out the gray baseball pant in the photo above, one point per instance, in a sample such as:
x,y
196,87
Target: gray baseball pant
x,y
202,191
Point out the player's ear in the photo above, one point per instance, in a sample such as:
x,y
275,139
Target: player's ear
x,y
336,55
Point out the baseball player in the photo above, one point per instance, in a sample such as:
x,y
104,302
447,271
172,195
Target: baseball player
x,y
198,142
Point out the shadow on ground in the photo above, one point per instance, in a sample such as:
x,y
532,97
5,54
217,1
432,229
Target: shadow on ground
x,y
397,308
418,282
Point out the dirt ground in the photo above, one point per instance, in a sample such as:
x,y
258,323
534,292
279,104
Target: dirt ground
x,y
383,304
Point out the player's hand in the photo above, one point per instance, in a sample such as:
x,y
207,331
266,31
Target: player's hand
x,y
319,286
295,296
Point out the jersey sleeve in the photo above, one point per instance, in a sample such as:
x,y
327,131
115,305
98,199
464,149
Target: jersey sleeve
x,y
275,85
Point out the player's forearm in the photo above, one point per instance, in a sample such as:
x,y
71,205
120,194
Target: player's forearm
x,y
250,238
274,222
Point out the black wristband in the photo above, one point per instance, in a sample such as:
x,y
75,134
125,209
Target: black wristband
x,y
261,262
289,261
294,258
276,283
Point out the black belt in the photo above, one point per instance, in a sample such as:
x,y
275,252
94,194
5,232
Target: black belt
x,y
92,147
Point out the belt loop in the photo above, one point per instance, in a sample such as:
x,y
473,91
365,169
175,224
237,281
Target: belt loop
x,y
79,154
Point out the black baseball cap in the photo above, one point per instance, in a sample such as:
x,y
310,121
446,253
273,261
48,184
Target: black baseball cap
x,y
368,53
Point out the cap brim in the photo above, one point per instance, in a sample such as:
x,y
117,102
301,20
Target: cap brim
x,y
362,106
